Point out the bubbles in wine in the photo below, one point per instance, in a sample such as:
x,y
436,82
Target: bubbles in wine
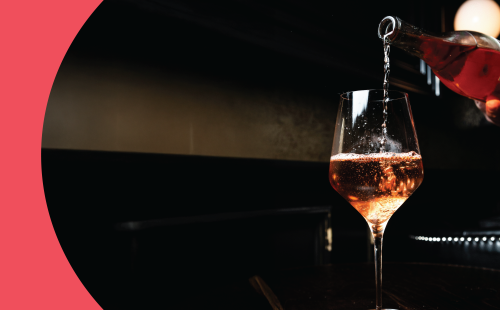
x,y
375,156
376,184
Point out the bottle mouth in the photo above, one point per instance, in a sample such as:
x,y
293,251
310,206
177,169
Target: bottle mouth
x,y
388,28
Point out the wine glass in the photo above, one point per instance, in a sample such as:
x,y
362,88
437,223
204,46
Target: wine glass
x,y
376,163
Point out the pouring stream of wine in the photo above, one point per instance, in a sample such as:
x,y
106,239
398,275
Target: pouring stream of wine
x,y
387,70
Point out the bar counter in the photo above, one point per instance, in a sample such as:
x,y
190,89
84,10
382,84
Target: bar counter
x,y
405,286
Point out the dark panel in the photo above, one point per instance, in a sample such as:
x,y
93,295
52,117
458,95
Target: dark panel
x,y
128,221
91,195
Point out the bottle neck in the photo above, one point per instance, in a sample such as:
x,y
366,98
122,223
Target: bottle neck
x,y
403,35
423,44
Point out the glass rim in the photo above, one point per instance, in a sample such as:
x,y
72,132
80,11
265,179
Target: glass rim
x,y
402,94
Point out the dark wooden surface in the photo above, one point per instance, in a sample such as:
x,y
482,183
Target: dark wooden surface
x,y
406,286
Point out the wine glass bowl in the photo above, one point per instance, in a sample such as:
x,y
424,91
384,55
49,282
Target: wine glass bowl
x,y
375,163
360,118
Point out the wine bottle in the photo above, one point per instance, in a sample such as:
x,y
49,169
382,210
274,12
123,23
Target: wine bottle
x,y
467,62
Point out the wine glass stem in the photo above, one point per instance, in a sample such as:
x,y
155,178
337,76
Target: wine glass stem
x,y
378,234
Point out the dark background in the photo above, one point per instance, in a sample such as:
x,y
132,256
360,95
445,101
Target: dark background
x,y
221,220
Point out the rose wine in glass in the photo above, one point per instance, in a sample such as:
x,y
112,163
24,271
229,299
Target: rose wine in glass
x,y
386,179
376,183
